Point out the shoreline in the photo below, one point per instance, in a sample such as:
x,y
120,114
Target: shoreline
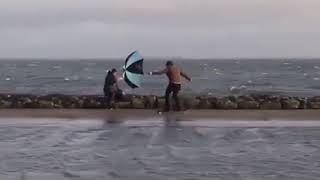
x,y
190,115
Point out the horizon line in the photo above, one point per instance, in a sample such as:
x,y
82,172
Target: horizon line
x,y
156,58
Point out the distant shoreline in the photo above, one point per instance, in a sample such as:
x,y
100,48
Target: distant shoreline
x,y
161,59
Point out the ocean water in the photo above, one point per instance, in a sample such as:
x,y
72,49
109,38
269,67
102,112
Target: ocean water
x,y
80,150
216,77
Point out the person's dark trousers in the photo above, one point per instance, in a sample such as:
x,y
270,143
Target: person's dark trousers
x,y
174,89
110,97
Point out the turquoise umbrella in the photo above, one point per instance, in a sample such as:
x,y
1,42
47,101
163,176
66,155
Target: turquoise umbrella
x,y
133,70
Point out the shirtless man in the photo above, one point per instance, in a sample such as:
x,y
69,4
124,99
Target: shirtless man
x,y
174,75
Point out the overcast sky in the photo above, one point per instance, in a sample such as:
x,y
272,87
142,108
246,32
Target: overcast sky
x,y
159,28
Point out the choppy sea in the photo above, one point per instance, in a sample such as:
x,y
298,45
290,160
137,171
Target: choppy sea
x,y
217,77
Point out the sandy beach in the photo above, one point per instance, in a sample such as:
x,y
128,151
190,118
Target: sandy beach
x,y
228,145
260,115
78,144
150,118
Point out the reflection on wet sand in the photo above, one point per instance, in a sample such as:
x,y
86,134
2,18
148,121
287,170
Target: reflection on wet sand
x,y
164,149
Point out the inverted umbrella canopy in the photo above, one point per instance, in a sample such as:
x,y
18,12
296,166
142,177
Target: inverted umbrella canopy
x,y
133,70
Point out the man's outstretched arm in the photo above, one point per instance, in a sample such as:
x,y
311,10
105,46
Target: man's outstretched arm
x,y
164,71
185,76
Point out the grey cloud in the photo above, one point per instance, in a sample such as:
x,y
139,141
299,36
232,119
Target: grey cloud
x,y
189,28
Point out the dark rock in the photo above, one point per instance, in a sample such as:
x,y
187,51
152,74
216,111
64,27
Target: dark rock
x,y
123,105
315,99
314,105
213,101
270,105
189,102
285,98
58,106
260,97
303,103
161,102
290,103
205,104
32,105
6,97
126,97
71,102
274,98
137,103
313,102
245,98
248,102
265,97
46,104
226,103
248,105
5,104
78,104
18,105
150,102
232,98
26,100
90,103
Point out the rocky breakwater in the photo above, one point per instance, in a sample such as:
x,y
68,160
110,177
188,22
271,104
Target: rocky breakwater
x,y
54,101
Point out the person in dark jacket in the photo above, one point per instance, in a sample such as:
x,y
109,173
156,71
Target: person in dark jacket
x,y
111,87
174,75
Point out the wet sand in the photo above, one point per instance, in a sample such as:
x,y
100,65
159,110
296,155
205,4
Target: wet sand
x,y
151,118
191,115
87,150
140,144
